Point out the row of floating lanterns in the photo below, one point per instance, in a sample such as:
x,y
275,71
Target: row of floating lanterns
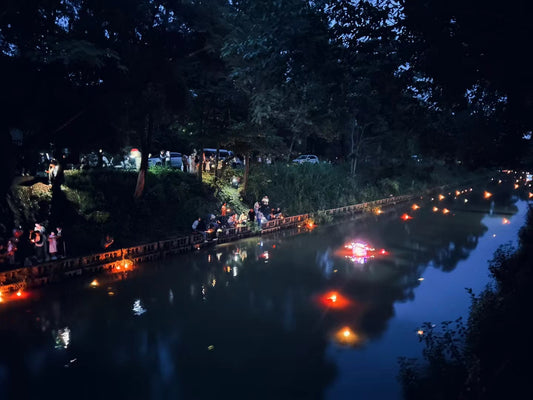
x,y
346,336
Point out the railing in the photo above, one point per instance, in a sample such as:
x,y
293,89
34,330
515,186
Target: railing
x,y
111,260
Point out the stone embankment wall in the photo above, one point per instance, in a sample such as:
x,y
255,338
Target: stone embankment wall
x,y
124,260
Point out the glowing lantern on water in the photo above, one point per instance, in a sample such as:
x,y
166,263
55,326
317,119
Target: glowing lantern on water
x,y
94,283
347,337
505,221
19,293
457,193
445,211
415,206
441,197
334,300
378,211
516,185
435,209
487,195
406,217
420,332
530,195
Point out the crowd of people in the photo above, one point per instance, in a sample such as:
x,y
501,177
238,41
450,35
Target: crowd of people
x,y
213,225
33,247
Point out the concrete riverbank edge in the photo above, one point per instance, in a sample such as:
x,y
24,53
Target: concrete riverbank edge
x,y
123,260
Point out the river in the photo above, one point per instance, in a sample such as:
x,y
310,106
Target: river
x,y
284,316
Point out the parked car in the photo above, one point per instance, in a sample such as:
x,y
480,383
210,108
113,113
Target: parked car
x,y
306,158
175,160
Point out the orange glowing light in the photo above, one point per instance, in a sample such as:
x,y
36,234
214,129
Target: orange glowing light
x,y
406,217
445,211
378,211
347,337
441,197
435,209
457,193
530,195
516,185
415,206
334,300
505,221
19,293
420,332
384,252
94,283
487,195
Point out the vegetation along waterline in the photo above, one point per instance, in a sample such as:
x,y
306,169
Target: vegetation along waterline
x,y
97,202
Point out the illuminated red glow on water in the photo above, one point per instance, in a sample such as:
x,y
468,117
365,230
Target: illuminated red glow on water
x,y
406,217
334,300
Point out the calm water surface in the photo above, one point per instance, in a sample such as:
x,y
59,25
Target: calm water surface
x,y
255,319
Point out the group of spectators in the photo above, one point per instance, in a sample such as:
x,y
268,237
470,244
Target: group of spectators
x,y
213,225
33,247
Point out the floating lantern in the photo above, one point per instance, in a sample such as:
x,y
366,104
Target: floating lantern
x,y
334,300
19,293
530,195
347,337
466,200
487,195
420,279
406,217
516,185
505,221
94,283
445,211
435,209
420,332
457,193
378,211
415,206
441,197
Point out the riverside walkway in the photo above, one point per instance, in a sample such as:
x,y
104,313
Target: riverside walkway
x,y
122,261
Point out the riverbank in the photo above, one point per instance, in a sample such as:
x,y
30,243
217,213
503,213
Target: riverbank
x,y
94,203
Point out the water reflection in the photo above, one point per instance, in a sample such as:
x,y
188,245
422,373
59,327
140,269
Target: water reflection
x,y
248,320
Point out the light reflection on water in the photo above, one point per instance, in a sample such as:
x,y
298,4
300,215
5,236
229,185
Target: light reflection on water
x,y
257,318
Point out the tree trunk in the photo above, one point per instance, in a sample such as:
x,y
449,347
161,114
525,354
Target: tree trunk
x,y
291,147
146,138
216,163
244,186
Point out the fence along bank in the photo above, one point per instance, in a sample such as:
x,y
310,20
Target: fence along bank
x,y
123,260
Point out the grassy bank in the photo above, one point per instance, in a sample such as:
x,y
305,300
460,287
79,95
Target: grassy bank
x,y
306,188
96,202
